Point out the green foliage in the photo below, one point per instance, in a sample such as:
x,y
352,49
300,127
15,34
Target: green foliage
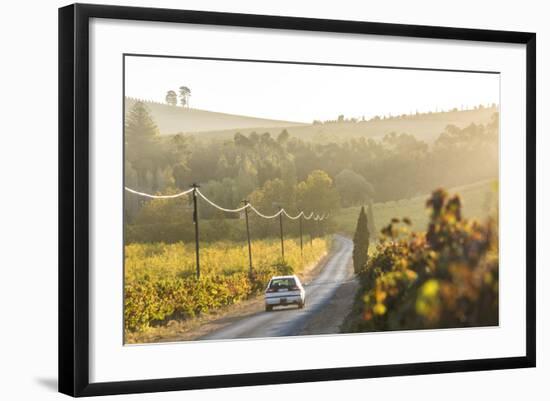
x,y
164,211
148,303
317,193
171,98
361,243
139,125
141,144
272,195
370,218
282,169
217,228
447,277
283,268
353,188
185,93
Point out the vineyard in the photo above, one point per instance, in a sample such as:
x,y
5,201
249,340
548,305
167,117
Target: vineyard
x,y
446,277
160,284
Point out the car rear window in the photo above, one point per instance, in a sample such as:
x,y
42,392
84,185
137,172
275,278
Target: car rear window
x,y
282,283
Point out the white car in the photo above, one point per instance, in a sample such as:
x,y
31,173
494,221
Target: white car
x,y
284,290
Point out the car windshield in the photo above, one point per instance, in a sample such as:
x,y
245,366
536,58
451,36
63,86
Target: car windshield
x,y
282,283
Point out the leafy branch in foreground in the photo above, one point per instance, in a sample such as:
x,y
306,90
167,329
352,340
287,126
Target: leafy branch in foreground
x,y
447,277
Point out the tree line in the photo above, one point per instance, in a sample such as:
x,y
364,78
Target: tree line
x,y
274,171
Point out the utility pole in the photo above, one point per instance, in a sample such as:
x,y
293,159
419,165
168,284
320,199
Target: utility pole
x,y
196,223
311,225
248,236
319,228
301,241
282,239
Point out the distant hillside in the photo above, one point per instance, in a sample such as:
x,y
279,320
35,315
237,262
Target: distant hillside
x,y
479,200
213,125
425,126
174,119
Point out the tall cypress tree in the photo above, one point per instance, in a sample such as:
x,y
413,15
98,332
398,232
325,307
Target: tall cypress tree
x,y
361,242
141,145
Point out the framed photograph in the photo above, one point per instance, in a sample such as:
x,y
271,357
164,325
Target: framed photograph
x,y
250,199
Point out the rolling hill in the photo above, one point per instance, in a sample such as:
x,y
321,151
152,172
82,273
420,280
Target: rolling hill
x,y
426,127
173,119
209,125
479,200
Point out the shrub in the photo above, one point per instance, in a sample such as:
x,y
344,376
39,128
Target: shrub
x,y
447,277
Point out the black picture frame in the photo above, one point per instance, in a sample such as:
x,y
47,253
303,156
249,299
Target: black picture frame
x,y
74,198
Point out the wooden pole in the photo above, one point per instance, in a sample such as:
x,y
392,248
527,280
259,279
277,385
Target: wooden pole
x,y
248,238
301,240
196,223
311,225
318,228
282,238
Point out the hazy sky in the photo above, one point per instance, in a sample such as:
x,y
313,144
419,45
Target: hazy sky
x,y
304,92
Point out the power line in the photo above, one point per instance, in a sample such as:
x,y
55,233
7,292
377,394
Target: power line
x,y
158,196
298,215
315,217
195,190
266,216
240,209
